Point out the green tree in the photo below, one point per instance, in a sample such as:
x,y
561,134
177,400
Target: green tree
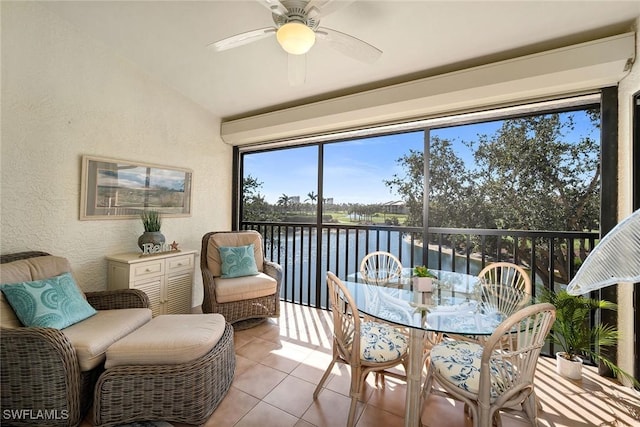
x,y
311,197
283,202
533,178
528,175
451,188
255,208
410,185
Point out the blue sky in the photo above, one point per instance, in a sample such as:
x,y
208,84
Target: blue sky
x,y
354,170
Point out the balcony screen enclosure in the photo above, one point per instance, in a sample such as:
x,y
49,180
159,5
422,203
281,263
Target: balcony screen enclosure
x,y
522,184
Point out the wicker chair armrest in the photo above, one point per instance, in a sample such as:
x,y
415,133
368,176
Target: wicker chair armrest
x,y
21,255
207,277
39,370
274,270
38,339
122,298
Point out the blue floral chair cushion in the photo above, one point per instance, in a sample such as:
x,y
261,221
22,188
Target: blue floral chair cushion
x,y
459,363
381,343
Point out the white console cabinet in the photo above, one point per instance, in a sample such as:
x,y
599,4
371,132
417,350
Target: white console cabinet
x,y
166,278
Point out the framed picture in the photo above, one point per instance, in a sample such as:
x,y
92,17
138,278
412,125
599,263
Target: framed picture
x,y
115,189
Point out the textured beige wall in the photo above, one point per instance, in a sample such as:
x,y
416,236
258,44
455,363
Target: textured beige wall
x,y
628,86
64,95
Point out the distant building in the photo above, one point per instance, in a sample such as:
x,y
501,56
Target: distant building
x,y
394,207
294,199
328,200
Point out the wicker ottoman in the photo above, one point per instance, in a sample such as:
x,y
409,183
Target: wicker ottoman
x,y
176,368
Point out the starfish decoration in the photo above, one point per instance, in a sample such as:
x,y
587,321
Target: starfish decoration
x,y
174,246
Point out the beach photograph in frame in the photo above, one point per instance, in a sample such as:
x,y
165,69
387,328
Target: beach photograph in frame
x,y
119,189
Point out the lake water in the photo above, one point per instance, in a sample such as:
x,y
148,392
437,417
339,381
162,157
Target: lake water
x,y
341,252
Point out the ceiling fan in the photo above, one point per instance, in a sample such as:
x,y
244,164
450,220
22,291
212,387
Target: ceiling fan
x,y
297,26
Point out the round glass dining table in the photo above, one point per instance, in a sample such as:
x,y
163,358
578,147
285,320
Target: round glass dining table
x,y
453,306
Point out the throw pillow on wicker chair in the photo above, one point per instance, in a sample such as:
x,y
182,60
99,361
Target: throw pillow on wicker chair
x,y
55,302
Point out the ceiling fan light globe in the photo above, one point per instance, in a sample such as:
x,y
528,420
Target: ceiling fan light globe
x,y
296,38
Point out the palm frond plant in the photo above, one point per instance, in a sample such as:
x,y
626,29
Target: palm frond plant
x,y
423,278
151,220
573,334
423,271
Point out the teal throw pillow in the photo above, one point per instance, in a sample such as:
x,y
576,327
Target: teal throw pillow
x,y
238,261
55,302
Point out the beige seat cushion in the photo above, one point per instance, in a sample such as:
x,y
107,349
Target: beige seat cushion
x,y
27,270
243,288
168,339
92,337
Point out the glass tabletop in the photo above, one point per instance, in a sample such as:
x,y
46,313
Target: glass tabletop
x,y
454,305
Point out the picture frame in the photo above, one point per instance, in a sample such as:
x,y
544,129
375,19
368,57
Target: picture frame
x,y
121,189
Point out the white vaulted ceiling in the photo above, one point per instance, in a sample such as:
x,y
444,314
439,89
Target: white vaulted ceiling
x,y
168,41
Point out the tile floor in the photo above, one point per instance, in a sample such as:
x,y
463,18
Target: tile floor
x,y
280,362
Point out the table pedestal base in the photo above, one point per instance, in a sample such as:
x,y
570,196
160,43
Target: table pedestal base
x,y
413,406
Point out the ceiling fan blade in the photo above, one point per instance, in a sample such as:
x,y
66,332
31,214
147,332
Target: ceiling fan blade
x,y
274,6
319,8
349,45
243,38
297,69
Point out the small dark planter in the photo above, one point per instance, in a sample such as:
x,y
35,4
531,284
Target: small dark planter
x,y
154,237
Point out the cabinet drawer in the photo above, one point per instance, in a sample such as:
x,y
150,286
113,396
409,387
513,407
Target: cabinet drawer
x,y
147,269
180,263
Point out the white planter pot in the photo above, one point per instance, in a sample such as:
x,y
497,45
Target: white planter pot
x,y
423,284
571,369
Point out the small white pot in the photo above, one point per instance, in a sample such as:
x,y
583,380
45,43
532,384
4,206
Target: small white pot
x,y
423,284
571,369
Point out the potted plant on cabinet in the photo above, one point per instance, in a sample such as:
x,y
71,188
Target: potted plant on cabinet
x,y
575,338
151,221
423,278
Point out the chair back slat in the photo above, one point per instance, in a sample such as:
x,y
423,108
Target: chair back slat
x,y
506,273
346,318
380,267
502,299
506,371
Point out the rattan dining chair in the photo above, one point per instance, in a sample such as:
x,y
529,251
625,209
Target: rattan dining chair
x,y
365,346
380,267
507,273
491,378
498,302
502,300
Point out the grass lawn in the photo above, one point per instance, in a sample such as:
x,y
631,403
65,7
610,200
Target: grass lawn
x,y
343,218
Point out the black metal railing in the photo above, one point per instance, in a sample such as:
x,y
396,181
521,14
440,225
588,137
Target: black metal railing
x,y
307,251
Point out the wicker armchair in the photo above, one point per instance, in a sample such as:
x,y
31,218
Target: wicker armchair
x,y
39,367
258,303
